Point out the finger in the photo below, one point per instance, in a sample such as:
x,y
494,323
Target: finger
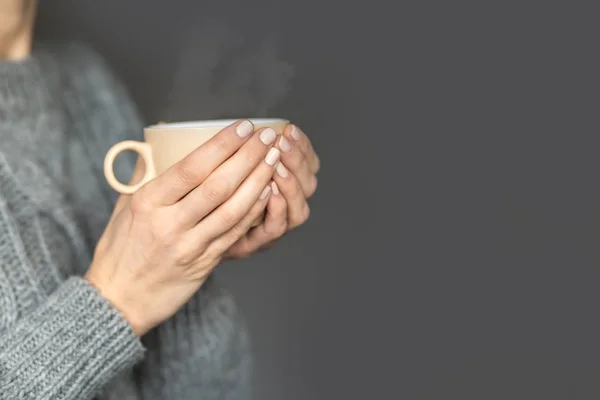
x,y
297,207
231,237
224,180
228,214
188,173
273,227
296,135
295,161
275,222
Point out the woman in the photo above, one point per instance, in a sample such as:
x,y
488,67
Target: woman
x,y
108,298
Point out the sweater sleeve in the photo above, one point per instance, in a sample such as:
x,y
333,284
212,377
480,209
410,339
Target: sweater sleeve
x,y
68,348
65,343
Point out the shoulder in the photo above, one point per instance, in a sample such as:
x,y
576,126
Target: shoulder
x,y
80,58
86,72
74,59
91,71
94,90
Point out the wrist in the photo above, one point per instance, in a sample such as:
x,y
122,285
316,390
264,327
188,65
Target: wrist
x,y
120,303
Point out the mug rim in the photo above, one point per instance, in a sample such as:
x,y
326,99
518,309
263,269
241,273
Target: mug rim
x,y
212,123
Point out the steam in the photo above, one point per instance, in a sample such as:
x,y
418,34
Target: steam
x,y
219,74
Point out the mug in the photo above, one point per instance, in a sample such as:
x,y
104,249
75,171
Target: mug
x,y
166,144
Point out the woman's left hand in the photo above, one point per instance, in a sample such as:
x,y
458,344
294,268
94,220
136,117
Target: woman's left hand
x,y
293,184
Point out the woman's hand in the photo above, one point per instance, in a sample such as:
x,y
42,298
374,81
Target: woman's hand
x,y
162,242
293,184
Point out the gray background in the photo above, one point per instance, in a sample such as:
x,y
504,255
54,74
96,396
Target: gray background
x,y
452,250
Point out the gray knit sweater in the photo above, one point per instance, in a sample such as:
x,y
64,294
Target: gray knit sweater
x,y
60,111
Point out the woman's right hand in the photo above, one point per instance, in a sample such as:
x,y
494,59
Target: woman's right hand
x,y
162,242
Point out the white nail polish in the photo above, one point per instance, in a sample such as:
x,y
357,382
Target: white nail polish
x,y
284,145
268,136
282,171
296,133
275,188
244,129
272,156
265,192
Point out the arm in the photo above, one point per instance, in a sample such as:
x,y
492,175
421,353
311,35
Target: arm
x,y
163,242
59,338
68,346
204,345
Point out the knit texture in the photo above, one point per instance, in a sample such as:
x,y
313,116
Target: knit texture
x,y
60,111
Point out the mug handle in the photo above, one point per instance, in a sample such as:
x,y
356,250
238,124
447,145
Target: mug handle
x,y
144,150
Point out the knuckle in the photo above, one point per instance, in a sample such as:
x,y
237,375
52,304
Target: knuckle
x,y
305,166
284,227
237,232
184,256
295,160
302,216
221,144
226,243
140,204
183,259
279,212
317,164
297,192
208,256
212,255
278,230
305,213
294,223
165,232
312,186
250,156
187,171
230,216
299,213
217,189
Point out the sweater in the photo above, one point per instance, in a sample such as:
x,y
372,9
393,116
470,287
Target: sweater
x,y
60,111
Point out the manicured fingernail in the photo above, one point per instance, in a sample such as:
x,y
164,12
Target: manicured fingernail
x,y
296,133
272,156
281,170
244,129
275,188
284,145
265,192
268,136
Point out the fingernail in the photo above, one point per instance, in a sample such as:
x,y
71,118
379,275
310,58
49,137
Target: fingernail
x,y
272,156
275,188
244,129
284,145
281,170
296,133
265,192
268,136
